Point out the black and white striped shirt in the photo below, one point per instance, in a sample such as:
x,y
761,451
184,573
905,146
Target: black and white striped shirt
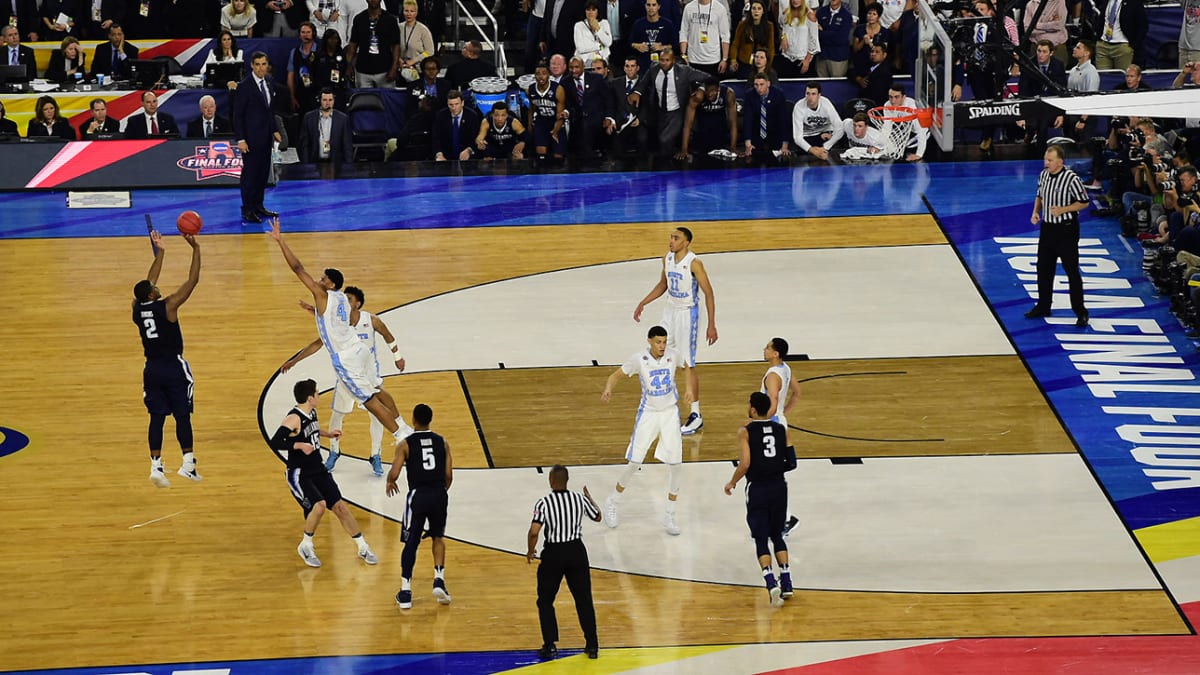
x,y
1060,189
560,514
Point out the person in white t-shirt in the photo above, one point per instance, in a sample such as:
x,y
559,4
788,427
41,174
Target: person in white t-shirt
x,y
861,135
816,125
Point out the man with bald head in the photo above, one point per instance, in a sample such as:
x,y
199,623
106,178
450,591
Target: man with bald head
x,y
209,124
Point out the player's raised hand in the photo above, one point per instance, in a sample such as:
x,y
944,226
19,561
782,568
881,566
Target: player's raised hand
x,y
275,233
392,488
307,307
637,313
156,239
287,365
606,396
334,433
190,239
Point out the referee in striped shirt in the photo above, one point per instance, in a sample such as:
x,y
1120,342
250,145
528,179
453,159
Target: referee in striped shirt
x,y
1060,197
560,514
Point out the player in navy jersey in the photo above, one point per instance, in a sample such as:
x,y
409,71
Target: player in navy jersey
x,y
547,114
166,378
764,460
426,457
501,136
710,122
299,435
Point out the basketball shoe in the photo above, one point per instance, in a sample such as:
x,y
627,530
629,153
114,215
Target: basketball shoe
x,y
668,522
776,596
440,592
610,511
785,584
404,599
377,464
367,555
157,475
693,424
308,555
188,470
333,458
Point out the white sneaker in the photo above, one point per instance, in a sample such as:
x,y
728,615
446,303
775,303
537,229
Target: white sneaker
x,y
440,592
693,424
368,556
610,511
668,522
776,596
308,555
158,476
188,471
403,433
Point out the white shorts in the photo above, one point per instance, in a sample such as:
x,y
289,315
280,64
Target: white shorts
x,y
343,400
683,326
660,424
357,369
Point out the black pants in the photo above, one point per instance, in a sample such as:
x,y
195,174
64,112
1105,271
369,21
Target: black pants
x,y
1059,241
569,560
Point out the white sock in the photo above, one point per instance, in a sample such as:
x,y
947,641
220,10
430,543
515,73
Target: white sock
x,y
335,424
308,540
405,584
156,462
376,435
189,458
696,407
670,507
439,573
362,543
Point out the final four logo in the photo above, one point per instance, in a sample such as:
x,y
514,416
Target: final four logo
x,y
217,158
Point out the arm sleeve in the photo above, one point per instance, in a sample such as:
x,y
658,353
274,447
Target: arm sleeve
x,y
283,439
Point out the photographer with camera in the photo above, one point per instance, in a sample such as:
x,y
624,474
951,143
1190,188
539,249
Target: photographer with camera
x,y
1179,191
1149,171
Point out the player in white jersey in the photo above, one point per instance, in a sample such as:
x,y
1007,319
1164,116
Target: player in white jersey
x,y
354,364
657,418
365,325
783,391
865,140
683,278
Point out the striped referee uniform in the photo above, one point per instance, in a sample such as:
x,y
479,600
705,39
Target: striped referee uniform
x,y
560,514
1058,238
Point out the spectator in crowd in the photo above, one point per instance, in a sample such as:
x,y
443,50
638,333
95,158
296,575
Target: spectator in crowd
x,y
97,24
800,41
620,15
651,34
22,15
593,35
454,130
873,84
558,26
430,85
470,67
280,18
535,48
151,121
433,13
710,122
239,18
760,63
501,135
17,54
1044,80
1051,25
1189,33
860,134
415,141
816,125
669,87
1083,78
416,42
987,75
591,109
99,123
766,122
836,24
302,88
374,49
329,14
630,135
600,67
225,49
67,62
53,31
908,38
1133,80
111,57
331,67
48,122
756,31
209,124
325,134
1189,76
7,126
1122,33
704,36
558,67
867,34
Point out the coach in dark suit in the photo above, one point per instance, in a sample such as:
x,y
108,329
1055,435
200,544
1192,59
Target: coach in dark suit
x,y
7,126
17,54
150,122
99,122
1045,79
313,138
592,108
255,127
209,123
761,98
111,57
26,16
627,138
450,143
669,87
558,26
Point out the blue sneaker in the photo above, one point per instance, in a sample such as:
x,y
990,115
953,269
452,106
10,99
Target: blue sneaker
x,y
785,585
333,458
377,465
404,599
693,424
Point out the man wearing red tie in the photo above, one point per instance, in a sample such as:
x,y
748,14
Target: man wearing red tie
x,y
255,128
150,122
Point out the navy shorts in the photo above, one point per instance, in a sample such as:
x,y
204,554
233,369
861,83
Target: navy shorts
x,y
766,508
167,386
542,138
425,511
310,487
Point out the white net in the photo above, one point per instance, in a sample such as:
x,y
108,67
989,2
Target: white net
x,y
895,125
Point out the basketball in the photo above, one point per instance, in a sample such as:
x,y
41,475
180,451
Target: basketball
x,y
189,222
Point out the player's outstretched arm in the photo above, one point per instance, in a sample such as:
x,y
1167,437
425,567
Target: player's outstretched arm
x,y
312,348
710,303
297,267
398,461
382,329
156,264
658,290
612,382
180,296
743,461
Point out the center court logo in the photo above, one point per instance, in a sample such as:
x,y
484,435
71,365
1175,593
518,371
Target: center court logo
x,y
217,158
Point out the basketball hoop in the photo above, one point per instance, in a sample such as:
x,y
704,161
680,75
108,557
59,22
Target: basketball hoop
x,y
895,124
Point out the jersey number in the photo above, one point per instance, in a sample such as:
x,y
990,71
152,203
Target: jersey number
x,y
768,445
151,328
428,461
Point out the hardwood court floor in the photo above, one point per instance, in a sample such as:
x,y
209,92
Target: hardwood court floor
x,y
89,582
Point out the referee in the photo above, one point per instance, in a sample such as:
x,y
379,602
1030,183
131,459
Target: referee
x,y
1060,196
560,513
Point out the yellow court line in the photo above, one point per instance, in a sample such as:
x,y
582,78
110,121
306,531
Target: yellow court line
x,y
619,660
1171,541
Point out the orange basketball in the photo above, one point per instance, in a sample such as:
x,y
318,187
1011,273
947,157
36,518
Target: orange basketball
x,y
189,222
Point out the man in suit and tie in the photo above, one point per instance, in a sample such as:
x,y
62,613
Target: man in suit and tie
x,y
111,57
100,123
1049,78
592,110
669,87
209,123
23,15
325,133
17,54
558,26
454,130
256,130
150,122
630,134
766,120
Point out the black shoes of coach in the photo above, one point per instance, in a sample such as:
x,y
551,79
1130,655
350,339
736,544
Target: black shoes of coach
x,y
251,217
547,652
266,213
1037,313
592,652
